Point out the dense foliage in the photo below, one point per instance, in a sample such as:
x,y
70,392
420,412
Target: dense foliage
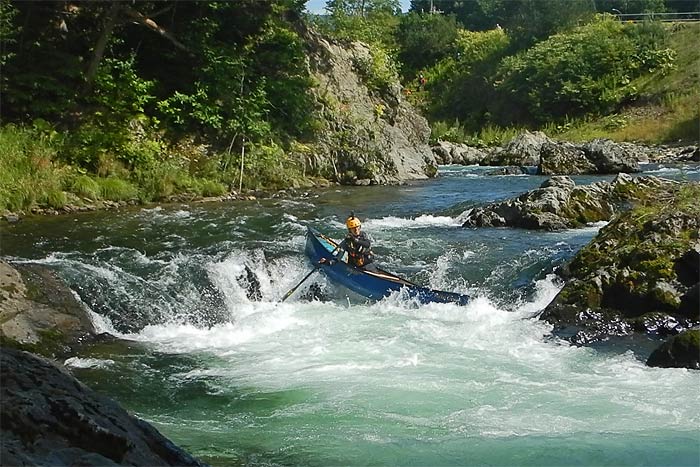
x,y
135,86
589,69
144,99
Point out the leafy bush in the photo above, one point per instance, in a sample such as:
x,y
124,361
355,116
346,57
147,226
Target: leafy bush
x,y
120,89
97,145
378,70
458,86
85,187
587,70
211,188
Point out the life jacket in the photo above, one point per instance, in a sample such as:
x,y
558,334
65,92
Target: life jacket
x,y
358,255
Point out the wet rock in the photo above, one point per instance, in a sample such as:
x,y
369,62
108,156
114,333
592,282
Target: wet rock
x,y
681,351
314,293
637,275
510,170
50,418
251,284
39,312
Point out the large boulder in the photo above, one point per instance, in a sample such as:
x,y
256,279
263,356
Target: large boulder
x,y
524,149
599,156
446,152
47,417
638,275
609,157
563,158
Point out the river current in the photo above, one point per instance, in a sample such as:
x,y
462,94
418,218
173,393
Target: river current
x,y
338,381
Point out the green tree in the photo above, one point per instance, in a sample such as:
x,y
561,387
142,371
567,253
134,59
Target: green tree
x,y
424,40
526,20
631,6
369,21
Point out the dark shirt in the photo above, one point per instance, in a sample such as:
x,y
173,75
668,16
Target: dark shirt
x,y
359,249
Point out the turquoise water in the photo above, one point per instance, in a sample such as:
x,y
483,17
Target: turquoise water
x,y
343,382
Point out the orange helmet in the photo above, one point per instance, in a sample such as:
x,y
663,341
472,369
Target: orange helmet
x,y
352,222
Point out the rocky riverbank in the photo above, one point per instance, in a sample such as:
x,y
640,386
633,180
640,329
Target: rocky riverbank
x,y
560,204
552,157
47,417
50,418
641,274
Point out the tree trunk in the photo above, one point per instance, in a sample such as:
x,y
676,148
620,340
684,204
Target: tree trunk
x,y
110,22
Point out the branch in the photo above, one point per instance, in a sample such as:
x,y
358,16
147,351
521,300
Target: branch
x,y
152,25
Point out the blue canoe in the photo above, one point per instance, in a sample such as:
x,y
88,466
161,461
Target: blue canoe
x,y
370,284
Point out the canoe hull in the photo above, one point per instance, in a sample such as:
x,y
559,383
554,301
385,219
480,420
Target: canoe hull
x,y
373,285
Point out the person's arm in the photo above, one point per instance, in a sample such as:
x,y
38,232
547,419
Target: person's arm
x,y
363,241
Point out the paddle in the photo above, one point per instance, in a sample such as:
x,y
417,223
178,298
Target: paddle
x,y
293,289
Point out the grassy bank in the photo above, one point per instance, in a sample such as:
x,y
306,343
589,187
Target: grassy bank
x,y
35,171
665,111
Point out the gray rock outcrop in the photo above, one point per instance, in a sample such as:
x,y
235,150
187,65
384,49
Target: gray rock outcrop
x,y
600,156
454,153
47,417
609,157
560,204
524,149
39,312
551,157
563,158
372,133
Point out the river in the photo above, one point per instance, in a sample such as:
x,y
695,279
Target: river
x,y
342,382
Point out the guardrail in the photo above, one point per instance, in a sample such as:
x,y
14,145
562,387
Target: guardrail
x,y
665,17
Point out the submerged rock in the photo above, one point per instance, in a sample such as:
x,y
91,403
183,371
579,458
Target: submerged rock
x,y
50,418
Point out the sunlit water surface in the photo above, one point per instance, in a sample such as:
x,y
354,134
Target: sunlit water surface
x,y
342,382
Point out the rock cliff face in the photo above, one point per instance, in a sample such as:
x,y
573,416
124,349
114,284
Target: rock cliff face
x,y
371,135
640,274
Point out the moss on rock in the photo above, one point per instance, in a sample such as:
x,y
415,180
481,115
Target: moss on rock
x,y
681,351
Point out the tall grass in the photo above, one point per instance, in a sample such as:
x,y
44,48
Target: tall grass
x,y
28,173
